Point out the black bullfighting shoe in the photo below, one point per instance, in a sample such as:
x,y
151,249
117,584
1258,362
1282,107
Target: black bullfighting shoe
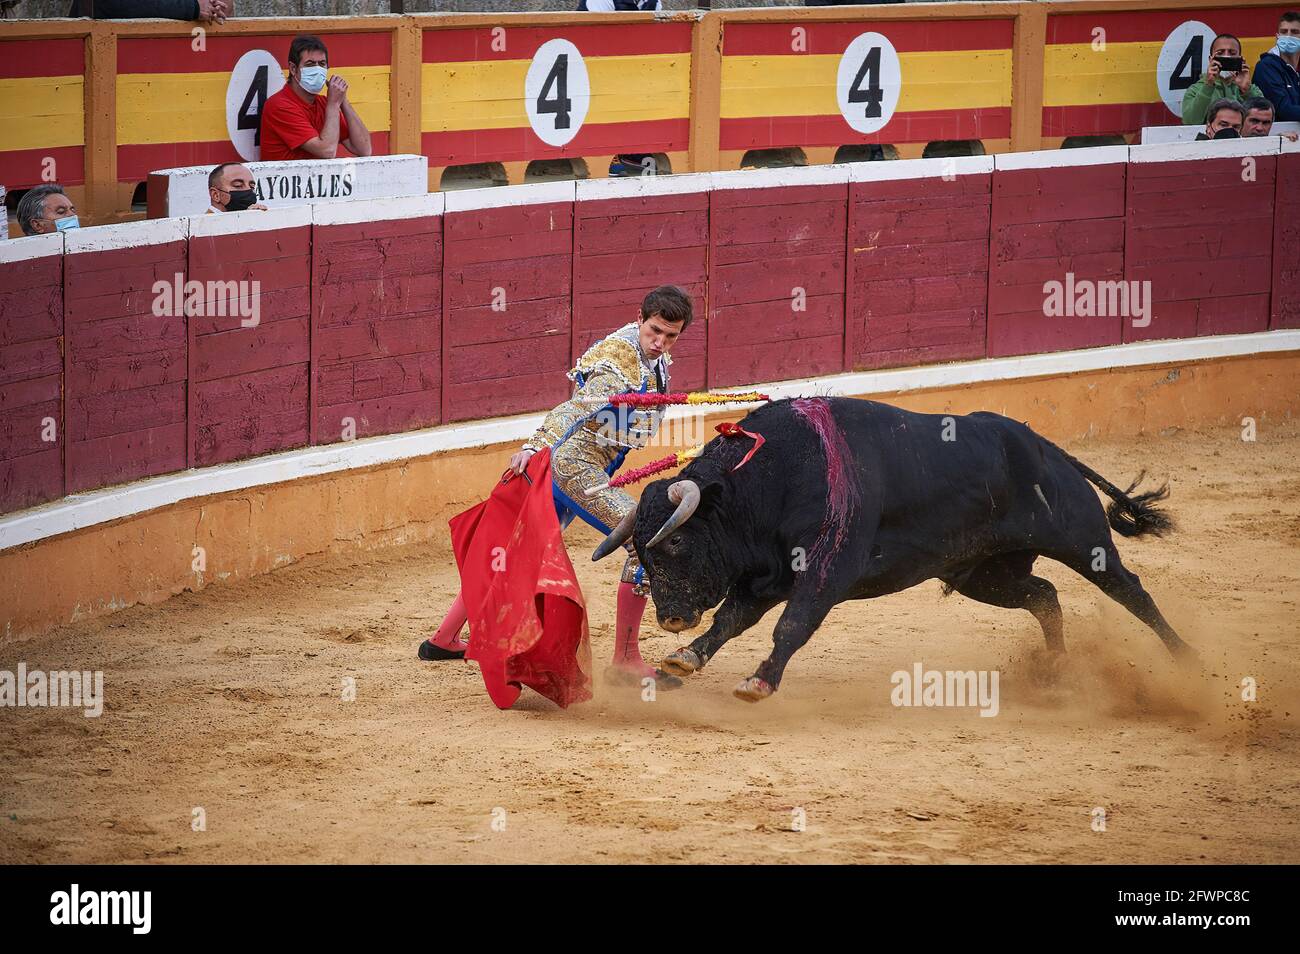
x,y
431,653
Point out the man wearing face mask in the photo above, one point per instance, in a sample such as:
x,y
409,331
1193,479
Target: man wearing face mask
x,y
298,123
230,189
46,208
1276,72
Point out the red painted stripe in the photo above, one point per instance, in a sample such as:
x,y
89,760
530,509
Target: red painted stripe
x,y
23,58
134,163
1156,25
23,168
764,39
173,54
519,143
1105,120
922,126
521,43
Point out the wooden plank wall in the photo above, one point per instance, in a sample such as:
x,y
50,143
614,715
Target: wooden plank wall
x,y
1049,223
625,246
776,280
126,363
400,314
1286,240
248,392
31,372
508,275
377,318
1201,233
919,265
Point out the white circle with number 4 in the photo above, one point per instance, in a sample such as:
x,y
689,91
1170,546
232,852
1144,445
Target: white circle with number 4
x,y
1182,62
557,92
868,82
256,77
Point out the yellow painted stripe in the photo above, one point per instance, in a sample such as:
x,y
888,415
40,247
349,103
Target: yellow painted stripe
x,y
489,94
1074,74
42,112
757,86
157,108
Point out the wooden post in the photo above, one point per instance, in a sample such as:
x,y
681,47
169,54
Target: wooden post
x,y
101,123
404,94
706,93
1027,56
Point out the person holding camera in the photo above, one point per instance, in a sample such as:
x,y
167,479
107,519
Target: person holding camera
x,y
1226,77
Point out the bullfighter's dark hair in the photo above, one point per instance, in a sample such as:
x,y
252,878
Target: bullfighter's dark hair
x,y
306,43
669,302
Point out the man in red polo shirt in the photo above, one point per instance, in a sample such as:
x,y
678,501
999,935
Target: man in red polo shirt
x,y
297,123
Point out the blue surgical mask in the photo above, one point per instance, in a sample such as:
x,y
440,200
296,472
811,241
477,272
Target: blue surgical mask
x,y
312,78
67,222
1288,44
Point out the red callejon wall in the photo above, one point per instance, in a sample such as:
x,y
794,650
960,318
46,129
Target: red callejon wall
x,y
1199,228
1055,215
377,317
508,284
918,261
1286,240
656,232
248,382
126,352
381,316
776,274
31,371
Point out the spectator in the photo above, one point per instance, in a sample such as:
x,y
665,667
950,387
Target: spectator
x,y
1275,73
1216,83
230,189
299,124
1259,120
1226,119
46,208
213,11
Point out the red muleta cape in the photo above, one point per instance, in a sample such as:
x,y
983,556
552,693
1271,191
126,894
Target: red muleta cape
x,y
527,617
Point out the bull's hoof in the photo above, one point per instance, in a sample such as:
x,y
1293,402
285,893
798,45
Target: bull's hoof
x,y
753,689
683,662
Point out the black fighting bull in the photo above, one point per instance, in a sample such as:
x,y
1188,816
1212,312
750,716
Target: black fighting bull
x,y
850,499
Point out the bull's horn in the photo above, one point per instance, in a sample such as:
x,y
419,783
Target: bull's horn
x,y
617,537
686,494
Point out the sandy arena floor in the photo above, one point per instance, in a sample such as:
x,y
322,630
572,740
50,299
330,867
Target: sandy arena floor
x,y
230,700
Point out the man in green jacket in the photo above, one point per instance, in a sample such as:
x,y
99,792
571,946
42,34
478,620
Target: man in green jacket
x,y
1215,84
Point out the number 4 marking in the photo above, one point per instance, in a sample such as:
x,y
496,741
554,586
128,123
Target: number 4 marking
x,y
561,105
1189,62
873,94
252,118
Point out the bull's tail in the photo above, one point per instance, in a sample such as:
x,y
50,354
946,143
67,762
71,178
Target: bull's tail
x,y
1129,515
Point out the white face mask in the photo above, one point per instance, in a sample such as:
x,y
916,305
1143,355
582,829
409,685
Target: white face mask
x,y
312,78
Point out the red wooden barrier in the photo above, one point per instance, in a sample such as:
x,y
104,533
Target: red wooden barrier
x,y
125,337
776,274
795,272
631,237
377,317
1057,218
1199,228
249,343
31,371
508,280
1286,240
918,261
